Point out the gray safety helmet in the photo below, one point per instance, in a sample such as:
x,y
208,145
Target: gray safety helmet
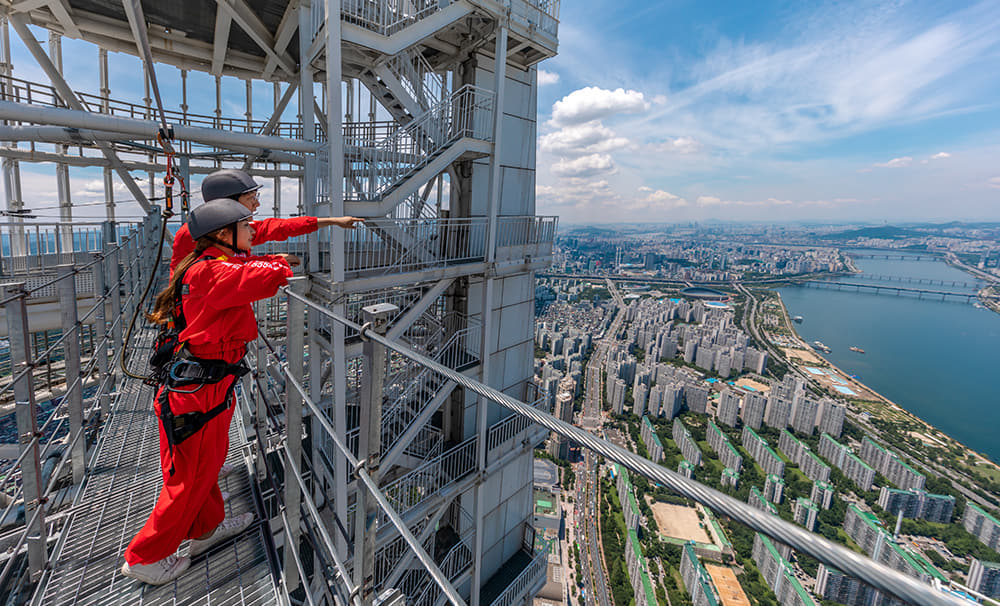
x,y
214,215
227,183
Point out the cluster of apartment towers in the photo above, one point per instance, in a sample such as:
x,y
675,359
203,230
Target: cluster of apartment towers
x,y
659,329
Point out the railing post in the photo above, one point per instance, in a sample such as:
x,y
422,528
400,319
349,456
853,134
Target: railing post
x,y
101,338
260,402
376,319
27,424
114,287
294,349
71,354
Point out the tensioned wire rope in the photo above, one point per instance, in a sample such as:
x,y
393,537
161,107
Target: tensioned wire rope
x,y
837,556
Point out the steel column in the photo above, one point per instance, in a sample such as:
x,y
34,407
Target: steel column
x,y
101,326
27,425
71,355
493,206
376,317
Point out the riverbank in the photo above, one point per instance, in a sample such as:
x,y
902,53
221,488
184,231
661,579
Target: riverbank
x,y
888,410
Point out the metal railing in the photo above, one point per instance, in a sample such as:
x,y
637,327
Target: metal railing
x,y
403,245
377,170
408,491
386,17
32,246
542,15
418,78
34,93
538,567
61,438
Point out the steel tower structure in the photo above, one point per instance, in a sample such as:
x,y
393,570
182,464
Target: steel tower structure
x,y
435,146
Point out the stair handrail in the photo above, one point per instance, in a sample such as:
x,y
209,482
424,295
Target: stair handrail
x,y
386,17
467,112
417,76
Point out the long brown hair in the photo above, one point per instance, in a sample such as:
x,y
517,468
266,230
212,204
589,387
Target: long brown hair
x,y
165,305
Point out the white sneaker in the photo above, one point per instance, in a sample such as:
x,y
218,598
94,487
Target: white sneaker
x,y
157,573
225,470
230,527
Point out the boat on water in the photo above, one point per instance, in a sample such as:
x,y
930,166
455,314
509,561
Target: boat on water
x,y
823,348
856,349
797,319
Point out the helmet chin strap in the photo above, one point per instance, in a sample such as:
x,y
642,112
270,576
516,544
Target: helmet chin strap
x,y
232,247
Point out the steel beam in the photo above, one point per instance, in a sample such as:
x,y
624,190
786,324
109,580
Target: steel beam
x,y
146,129
249,22
26,155
283,37
19,21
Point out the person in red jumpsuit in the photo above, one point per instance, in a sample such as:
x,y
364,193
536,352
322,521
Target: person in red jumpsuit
x,y
218,283
239,186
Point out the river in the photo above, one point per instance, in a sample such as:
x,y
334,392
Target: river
x,y
937,359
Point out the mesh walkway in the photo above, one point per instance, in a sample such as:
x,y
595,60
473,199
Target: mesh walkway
x,y
122,484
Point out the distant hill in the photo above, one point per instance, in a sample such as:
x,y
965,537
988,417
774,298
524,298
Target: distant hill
x,y
889,232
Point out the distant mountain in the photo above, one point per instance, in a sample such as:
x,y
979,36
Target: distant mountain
x,y
889,232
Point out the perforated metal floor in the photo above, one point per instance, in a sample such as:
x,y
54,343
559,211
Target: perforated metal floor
x,y
122,487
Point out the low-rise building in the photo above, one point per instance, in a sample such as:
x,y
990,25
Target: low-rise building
x,y
686,469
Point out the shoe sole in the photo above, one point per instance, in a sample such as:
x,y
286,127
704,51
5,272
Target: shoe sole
x,y
192,553
126,572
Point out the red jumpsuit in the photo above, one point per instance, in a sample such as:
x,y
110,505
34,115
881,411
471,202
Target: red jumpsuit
x,y
220,322
267,230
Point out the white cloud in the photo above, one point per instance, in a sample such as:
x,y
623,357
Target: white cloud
x,y
896,162
994,183
585,166
587,138
678,145
657,200
546,77
593,103
940,156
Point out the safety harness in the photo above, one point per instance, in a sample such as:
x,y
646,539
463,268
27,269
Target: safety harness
x,y
175,368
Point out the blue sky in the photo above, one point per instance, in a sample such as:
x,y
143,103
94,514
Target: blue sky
x,y
680,111
677,111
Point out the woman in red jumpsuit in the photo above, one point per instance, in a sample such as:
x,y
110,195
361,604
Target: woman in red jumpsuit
x,y
218,283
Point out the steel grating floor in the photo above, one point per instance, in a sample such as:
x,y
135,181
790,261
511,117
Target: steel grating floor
x,y
122,486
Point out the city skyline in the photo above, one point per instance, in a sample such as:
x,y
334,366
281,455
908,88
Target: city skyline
x,y
678,112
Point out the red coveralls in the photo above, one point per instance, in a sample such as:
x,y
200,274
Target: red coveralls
x,y
220,322
267,230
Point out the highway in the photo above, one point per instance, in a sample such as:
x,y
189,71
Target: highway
x,y
588,512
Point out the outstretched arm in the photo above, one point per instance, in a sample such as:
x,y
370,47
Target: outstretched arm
x,y
344,222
